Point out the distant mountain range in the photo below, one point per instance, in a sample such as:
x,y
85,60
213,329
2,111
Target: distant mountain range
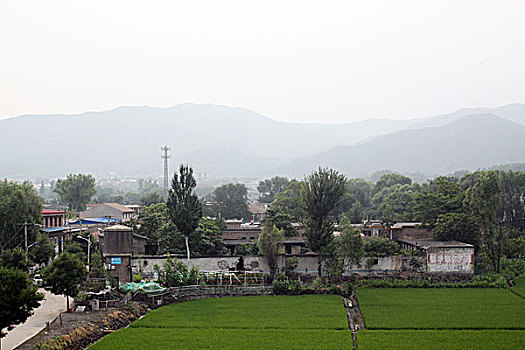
x,y
235,142
470,142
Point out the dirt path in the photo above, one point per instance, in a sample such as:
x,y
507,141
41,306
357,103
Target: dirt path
x,y
355,319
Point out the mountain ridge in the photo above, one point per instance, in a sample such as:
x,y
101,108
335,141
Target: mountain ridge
x,y
127,140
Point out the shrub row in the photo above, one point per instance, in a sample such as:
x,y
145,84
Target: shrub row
x,y
284,286
493,281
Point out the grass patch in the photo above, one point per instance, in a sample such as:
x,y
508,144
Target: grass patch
x,y
441,339
441,309
267,312
194,338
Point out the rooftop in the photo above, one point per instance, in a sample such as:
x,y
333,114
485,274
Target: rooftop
x,y
425,244
118,228
53,212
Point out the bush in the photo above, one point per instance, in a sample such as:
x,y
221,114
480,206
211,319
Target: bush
x,y
378,246
494,281
512,268
137,277
290,266
281,284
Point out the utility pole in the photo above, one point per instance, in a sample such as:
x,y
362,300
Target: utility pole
x,y
25,241
165,156
26,247
88,240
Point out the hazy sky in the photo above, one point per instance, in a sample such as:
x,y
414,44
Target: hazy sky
x,y
290,60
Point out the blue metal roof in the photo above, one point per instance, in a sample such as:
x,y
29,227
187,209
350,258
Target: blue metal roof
x,y
94,221
55,229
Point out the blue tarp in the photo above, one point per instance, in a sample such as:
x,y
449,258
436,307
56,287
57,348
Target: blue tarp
x,y
94,221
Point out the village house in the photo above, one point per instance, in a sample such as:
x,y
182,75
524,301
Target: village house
x,y
54,223
443,257
111,210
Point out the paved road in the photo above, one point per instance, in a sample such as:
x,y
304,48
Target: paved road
x,y
50,307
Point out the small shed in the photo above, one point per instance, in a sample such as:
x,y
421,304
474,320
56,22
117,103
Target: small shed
x,y
444,257
118,245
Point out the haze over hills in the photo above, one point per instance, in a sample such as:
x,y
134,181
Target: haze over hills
x,y
470,142
227,142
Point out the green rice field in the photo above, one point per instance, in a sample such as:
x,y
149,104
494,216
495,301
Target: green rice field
x,y
288,312
474,319
400,308
477,319
270,322
441,339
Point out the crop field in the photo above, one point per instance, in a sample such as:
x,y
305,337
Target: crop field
x,y
271,322
474,319
441,339
301,312
441,309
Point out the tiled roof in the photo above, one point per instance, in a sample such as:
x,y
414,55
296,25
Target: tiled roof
x,y
119,207
53,212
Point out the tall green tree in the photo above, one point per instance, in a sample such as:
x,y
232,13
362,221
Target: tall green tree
x,y
282,220
18,298
14,259
513,203
321,192
346,249
483,199
269,188
151,198
64,275
207,239
456,227
270,245
350,243
230,201
184,206
76,190
289,201
18,204
389,180
43,250
153,219
440,196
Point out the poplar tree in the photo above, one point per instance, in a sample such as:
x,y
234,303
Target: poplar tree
x,y
184,206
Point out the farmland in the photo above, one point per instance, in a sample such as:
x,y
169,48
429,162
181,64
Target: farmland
x,y
441,309
292,322
441,339
396,318
441,318
299,312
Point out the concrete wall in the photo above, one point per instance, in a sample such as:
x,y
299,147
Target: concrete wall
x,y
117,242
219,263
395,263
139,245
307,264
450,260
438,260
